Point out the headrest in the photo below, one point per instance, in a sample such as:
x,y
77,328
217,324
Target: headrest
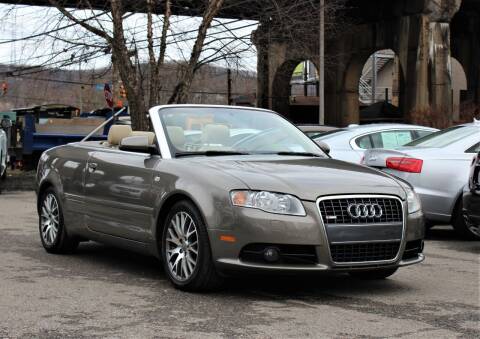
x,y
177,136
216,134
117,133
149,135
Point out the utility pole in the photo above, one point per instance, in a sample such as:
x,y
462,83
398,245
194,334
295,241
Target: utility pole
x,y
321,65
374,78
229,86
81,86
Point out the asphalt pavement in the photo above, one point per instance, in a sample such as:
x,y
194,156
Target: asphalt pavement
x,y
101,291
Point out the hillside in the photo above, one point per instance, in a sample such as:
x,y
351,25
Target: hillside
x,y
84,89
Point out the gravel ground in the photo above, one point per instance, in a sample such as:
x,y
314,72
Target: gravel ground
x,y
105,292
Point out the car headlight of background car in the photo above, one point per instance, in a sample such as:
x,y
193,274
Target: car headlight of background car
x,y
413,200
269,202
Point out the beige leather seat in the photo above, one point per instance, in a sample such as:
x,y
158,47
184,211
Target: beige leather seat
x,y
149,135
117,133
216,135
177,136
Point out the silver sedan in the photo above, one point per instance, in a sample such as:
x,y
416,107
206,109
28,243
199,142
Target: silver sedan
x,y
350,143
438,167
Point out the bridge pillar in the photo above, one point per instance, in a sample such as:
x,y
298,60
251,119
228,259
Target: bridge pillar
x,y
424,50
277,58
466,49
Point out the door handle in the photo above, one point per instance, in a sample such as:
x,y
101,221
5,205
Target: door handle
x,y
92,166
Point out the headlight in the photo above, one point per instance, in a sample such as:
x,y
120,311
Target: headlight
x,y
414,204
268,202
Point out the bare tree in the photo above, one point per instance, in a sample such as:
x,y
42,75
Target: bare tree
x,y
143,88
188,71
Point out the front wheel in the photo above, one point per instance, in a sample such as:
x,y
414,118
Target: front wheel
x,y
374,274
53,232
186,253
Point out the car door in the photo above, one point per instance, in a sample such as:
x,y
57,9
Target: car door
x,y
118,195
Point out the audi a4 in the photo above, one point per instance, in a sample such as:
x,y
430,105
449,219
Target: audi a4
x,y
210,206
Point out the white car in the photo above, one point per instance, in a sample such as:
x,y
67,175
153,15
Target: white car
x,y
350,143
3,154
438,167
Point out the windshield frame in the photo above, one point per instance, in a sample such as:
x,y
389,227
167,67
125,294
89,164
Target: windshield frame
x,y
169,152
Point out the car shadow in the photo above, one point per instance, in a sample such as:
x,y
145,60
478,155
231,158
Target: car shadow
x,y
444,232
136,268
107,258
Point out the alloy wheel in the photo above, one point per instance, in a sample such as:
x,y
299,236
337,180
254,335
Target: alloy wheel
x,y
50,219
181,247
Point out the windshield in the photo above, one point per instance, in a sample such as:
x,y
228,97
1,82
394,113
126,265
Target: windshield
x,y
223,131
445,137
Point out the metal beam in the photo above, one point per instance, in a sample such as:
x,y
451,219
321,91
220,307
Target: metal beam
x,y
234,9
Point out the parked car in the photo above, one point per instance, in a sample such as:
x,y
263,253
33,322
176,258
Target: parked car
x,y
314,131
271,202
437,166
471,200
350,143
3,154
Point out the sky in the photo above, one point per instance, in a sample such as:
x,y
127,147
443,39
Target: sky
x,y
20,22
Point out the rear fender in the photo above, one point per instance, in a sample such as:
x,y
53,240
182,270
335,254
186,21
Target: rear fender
x,y
378,157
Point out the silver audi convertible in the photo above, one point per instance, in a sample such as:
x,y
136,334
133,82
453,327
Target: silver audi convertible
x,y
250,192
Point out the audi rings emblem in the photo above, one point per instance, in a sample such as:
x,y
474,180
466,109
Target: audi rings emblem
x,y
364,211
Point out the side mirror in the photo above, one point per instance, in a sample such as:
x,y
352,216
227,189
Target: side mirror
x,y
323,146
138,144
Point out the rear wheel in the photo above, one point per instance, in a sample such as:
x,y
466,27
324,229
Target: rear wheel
x,y
186,253
461,226
374,274
53,232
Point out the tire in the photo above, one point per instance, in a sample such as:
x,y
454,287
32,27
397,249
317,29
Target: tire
x,y
374,274
3,176
185,233
52,229
460,225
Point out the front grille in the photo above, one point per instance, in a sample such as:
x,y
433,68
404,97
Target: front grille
x,y
362,252
334,211
289,254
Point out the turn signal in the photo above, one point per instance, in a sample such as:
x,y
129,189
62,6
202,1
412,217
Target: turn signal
x,y
228,238
239,198
411,165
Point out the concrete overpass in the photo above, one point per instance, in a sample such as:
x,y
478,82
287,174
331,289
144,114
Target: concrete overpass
x,y
423,34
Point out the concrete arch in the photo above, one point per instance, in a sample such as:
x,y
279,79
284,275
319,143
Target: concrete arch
x,y
296,107
281,87
349,98
459,88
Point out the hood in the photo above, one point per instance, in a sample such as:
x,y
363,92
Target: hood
x,y
306,178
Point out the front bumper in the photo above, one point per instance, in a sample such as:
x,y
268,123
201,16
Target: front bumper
x,y
257,227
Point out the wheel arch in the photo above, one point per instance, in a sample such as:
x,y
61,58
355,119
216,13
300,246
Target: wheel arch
x,y
165,207
41,189
456,204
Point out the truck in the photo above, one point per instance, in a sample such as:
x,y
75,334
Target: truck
x,y
38,128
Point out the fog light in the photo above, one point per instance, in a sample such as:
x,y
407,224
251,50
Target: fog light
x,y
271,254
